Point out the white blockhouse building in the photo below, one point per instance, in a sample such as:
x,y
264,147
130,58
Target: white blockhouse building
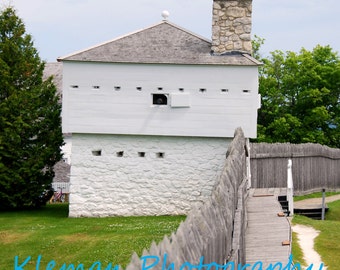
x,y
152,113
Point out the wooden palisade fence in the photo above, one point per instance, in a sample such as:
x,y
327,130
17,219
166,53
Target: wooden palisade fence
x,y
214,231
314,166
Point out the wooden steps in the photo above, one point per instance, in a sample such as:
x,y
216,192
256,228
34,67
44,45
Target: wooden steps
x,y
311,211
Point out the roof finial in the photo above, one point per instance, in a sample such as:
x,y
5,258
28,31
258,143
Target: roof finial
x,y
165,15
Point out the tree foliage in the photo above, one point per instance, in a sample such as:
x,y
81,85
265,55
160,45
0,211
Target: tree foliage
x,y
30,125
300,97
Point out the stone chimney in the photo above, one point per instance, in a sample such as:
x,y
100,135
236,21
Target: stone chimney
x,y
231,26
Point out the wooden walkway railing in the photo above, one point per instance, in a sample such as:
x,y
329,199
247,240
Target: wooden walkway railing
x,y
268,235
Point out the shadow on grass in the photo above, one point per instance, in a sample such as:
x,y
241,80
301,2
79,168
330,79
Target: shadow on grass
x,y
58,210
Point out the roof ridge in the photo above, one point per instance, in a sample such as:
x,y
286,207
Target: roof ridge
x,y
133,33
188,31
107,42
161,43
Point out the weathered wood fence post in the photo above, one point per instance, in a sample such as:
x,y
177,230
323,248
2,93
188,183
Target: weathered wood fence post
x,y
323,204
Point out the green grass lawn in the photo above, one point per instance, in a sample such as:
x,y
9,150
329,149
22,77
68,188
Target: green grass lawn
x,y
327,244
297,251
50,233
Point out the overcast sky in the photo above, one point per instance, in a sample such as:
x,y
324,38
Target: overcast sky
x,y
61,27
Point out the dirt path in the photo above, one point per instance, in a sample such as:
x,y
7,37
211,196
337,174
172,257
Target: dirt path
x,y
319,200
306,236
315,202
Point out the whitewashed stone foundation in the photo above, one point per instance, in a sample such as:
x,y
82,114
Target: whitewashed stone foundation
x,y
117,175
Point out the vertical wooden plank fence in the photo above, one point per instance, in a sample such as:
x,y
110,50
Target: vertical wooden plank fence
x,y
314,166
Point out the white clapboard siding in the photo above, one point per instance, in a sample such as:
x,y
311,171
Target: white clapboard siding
x,y
103,98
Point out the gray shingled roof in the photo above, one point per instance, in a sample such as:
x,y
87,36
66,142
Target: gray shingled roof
x,y
164,43
54,69
62,172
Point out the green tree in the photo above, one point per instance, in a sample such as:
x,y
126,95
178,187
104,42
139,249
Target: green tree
x,y
30,125
300,97
256,43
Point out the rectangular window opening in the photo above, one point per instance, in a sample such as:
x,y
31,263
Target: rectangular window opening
x,y
181,89
141,154
160,88
120,154
159,99
246,91
139,88
160,155
95,87
117,88
75,86
224,90
97,152
203,90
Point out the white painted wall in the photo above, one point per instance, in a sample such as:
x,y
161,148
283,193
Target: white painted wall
x,y
109,185
212,113
66,149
